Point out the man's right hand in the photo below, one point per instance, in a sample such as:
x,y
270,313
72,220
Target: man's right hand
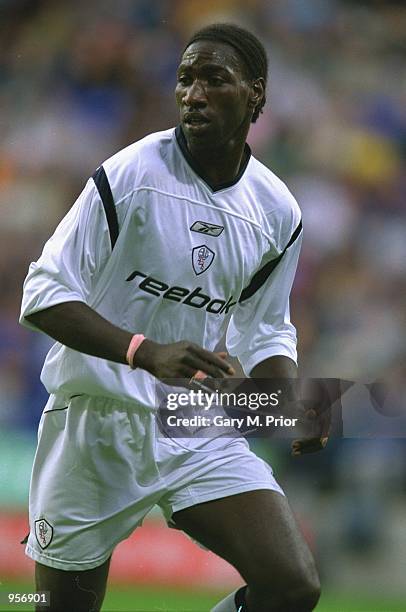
x,y
180,360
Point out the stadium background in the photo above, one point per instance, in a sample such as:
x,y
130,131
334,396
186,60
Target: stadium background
x,y
80,80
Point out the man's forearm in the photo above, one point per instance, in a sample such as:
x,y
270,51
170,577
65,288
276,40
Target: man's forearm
x,y
81,328
275,367
78,326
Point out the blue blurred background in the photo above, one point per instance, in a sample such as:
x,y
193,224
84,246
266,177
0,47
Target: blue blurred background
x,y
80,80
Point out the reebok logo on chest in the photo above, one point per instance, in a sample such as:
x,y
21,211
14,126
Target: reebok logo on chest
x,y
194,298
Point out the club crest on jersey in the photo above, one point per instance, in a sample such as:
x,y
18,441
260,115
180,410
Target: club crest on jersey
x,y
43,532
202,258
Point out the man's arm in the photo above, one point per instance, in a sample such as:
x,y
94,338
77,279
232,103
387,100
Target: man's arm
x,y
282,367
81,328
278,366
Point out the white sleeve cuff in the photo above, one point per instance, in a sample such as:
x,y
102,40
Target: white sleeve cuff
x,y
58,298
250,360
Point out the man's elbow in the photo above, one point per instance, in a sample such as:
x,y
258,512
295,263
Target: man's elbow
x,y
42,319
35,319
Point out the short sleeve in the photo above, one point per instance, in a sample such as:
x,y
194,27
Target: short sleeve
x,y
72,259
260,326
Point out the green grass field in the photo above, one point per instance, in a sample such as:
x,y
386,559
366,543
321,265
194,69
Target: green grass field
x,y
148,599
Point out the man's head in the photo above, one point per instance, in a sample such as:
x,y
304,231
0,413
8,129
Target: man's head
x,y
221,82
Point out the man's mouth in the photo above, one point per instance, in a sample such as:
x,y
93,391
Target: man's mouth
x,y
195,119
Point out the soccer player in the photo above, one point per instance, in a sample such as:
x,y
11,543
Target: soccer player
x,y
175,240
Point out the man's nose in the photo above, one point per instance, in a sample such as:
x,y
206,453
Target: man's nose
x,y
195,96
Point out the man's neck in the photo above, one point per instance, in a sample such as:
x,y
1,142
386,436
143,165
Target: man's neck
x,y
219,165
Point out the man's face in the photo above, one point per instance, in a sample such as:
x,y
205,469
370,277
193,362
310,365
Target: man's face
x,y
212,94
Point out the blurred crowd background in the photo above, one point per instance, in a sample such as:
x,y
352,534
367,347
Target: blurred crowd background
x,y
80,80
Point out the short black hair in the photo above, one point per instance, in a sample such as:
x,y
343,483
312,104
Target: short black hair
x,y
248,47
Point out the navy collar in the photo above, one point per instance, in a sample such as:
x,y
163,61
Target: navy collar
x,y
180,137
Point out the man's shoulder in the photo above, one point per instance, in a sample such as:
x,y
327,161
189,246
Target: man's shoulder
x,y
127,168
148,145
277,202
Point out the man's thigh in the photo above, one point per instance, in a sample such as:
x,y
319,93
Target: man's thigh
x,y
73,590
256,532
210,470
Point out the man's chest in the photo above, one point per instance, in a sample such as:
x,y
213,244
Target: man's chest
x,y
186,244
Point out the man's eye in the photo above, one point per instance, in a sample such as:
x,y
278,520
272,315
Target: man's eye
x,y
215,81
183,80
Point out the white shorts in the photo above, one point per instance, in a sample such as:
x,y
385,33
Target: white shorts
x,y
101,466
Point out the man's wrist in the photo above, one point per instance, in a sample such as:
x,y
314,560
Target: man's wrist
x,y
143,357
133,347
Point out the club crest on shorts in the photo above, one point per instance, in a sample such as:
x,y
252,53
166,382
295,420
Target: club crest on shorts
x,y
202,258
43,532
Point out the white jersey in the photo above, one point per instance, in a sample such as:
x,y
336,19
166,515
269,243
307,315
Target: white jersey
x,y
152,248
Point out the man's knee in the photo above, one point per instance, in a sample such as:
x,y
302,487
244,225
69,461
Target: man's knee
x,y
304,596
289,592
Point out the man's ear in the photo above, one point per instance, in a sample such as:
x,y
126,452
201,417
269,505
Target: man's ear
x,y
257,92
